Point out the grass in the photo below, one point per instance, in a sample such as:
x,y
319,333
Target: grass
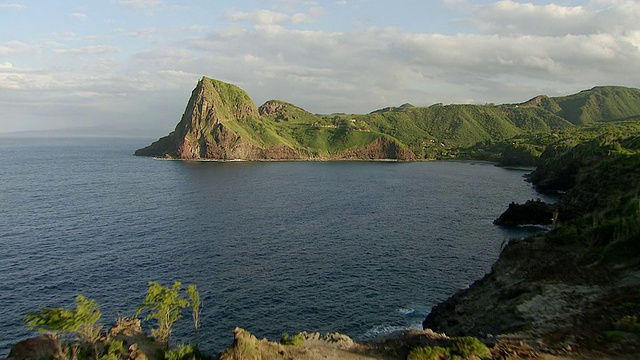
x,y
295,340
512,134
460,348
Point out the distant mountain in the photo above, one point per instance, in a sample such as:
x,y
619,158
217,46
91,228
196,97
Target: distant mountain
x,y
221,122
602,103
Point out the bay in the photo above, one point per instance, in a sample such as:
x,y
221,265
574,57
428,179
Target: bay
x,y
362,248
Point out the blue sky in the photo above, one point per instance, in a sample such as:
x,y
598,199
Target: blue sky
x,y
126,67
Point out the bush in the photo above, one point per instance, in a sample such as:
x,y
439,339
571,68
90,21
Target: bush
x,y
460,348
113,350
469,346
430,353
183,352
294,340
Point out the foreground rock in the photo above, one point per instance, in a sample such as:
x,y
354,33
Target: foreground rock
x,y
133,344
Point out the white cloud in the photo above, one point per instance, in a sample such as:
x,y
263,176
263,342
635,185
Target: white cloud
x,y
15,47
326,69
523,50
266,18
88,50
79,16
140,4
508,17
9,5
259,17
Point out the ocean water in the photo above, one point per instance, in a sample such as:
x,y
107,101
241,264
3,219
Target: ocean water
x,y
356,247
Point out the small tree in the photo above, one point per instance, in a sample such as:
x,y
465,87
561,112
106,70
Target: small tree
x,y
164,305
196,306
60,321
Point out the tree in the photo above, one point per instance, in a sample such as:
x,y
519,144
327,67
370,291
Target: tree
x,y
164,305
196,306
60,321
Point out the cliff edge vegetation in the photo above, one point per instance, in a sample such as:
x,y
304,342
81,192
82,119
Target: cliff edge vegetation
x,y
576,288
221,122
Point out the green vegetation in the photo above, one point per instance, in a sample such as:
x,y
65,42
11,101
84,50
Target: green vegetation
x,y
163,304
297,339
183,352
196,307
602,174
459,349
81,322
511,134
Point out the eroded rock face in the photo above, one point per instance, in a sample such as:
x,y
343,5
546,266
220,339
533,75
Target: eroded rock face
x,y
270,108
531,292
200,134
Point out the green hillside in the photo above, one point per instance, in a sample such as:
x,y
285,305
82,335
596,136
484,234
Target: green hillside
x,y
511,133
602,103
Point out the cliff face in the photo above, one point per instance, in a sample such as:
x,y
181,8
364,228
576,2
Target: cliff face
x,y
577,286
200,134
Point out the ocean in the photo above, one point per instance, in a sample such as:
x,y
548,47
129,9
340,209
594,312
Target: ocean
x,y
362,248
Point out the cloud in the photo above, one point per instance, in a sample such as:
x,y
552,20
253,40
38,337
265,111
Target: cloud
x,y
16,47
259,17
140,4
326,69
79,16
522,50
8,5
508,17
262,18
88,50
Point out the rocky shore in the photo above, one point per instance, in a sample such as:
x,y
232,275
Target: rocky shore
x,y
575,289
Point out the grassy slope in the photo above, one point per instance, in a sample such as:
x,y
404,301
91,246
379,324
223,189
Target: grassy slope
x,y
430,132
602,103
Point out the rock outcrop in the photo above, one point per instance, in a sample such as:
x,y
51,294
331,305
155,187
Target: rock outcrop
x,y
532,212
42,347
201,133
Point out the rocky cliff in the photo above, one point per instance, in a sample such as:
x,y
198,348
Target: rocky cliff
x,y
202,133
576,287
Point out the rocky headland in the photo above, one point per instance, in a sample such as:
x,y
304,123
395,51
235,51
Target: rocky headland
x,y
575,289
221,122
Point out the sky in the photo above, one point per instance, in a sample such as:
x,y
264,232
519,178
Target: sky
x,y
127,67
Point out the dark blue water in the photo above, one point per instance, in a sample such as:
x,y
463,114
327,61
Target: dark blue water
x,y
360,248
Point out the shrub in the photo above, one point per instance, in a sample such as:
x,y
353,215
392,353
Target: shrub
x,y
183,352
429,353
113,350
469,346
60,321
164,305
294,340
